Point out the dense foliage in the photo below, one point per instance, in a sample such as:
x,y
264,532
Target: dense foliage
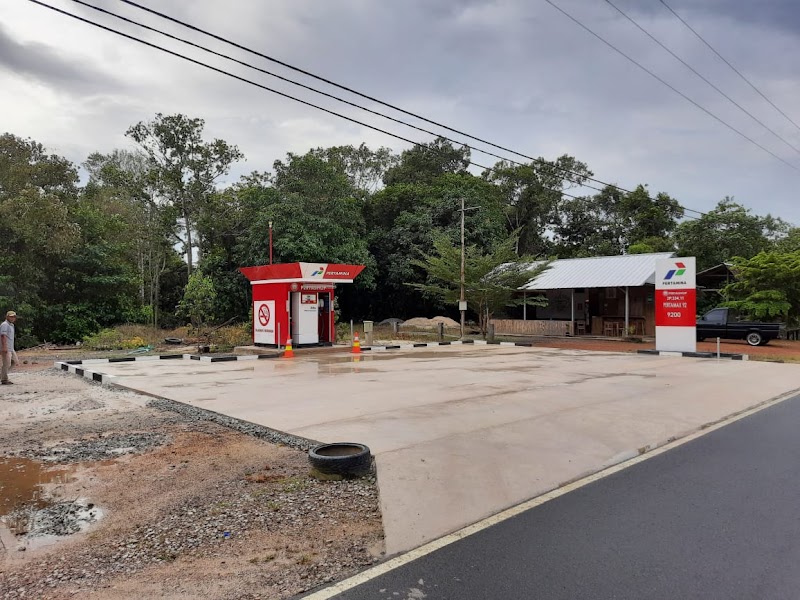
x,y
118,240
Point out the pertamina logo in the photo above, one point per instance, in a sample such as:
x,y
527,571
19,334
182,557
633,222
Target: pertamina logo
x,y
673,275
319,272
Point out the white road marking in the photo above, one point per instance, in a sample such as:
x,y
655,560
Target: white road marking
x,y
403,559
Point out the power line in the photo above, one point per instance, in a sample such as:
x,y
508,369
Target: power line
x,y
267,88
322,93
357,93
674,89
723,59
315,90
693,70
259,85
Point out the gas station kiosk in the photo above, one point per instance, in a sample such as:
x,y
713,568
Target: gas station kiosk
x,y
296,300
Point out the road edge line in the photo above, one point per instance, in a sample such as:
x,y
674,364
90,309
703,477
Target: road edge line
x,y
430,547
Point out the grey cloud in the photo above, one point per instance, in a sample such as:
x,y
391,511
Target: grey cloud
x,y
45,65
512,71
775,14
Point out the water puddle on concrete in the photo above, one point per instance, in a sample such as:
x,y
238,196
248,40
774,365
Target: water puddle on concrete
x,y
22,482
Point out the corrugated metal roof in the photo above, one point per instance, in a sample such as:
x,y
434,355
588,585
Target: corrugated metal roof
x,y
630,270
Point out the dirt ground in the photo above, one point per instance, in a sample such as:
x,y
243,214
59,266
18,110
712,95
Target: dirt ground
x,y
775,350
168,506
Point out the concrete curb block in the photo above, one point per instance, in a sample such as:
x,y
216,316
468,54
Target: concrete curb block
x,y
220,358
726,355
437,344
101,378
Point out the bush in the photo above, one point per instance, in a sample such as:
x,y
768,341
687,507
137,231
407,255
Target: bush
x,y
114,339
106,339
235,335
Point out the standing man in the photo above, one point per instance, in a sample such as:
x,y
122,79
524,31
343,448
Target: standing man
x,y
7,352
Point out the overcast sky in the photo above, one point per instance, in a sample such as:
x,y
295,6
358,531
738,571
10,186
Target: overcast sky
x,y
515,72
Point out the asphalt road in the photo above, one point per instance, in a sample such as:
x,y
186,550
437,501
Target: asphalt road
x,y
718,517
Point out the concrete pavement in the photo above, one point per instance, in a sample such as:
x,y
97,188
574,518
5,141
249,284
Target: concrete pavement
x,y
460,433
715,518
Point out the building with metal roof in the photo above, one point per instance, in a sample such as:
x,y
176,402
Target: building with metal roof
x,y
603,295
629,270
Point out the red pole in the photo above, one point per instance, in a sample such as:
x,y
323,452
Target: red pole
x,y
270,242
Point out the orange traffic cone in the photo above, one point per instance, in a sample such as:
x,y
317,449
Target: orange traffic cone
x,y
356,345
288,352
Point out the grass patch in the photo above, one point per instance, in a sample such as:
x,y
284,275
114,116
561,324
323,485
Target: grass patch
x,y
296,483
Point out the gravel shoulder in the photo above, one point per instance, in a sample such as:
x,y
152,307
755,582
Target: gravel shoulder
x,y
181,507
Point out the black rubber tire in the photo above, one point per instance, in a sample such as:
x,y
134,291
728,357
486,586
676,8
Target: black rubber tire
x,y
754,338
174,341
348,459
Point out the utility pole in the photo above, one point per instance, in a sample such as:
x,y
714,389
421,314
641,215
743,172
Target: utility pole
x,y
462,304
270,242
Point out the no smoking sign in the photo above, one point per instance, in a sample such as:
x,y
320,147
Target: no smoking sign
x,y
263,314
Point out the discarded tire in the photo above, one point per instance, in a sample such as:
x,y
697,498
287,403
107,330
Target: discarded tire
x,y
343,458
173,341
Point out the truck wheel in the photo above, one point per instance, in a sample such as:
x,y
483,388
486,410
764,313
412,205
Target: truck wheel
x,y
754,338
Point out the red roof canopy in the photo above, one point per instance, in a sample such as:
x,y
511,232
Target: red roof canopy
x,y
302,272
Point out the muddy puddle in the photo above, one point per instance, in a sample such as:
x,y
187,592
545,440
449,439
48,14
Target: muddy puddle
x,y
22,482
33,506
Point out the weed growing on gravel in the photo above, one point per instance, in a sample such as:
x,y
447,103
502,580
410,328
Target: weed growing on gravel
x,y
296,483
265,559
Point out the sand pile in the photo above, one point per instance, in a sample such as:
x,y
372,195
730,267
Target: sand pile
x,y
423,323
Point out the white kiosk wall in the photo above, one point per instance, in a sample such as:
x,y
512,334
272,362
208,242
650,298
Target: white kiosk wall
x,y
676,305
305,318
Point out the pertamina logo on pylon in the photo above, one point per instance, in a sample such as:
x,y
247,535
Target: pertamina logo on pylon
x,y
676,304
674,277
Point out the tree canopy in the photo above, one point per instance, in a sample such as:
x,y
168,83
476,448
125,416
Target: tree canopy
x,y
118,238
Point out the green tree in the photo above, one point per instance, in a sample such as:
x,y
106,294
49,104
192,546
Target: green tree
x,y
185,169
789,242
423,163
199,300
364,168
124,183
614,222
532,196
37,193
404,219
649,220
95,285
727,231
766,286
492,280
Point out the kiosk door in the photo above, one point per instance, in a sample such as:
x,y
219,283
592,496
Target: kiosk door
x,y
305,318
324,326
